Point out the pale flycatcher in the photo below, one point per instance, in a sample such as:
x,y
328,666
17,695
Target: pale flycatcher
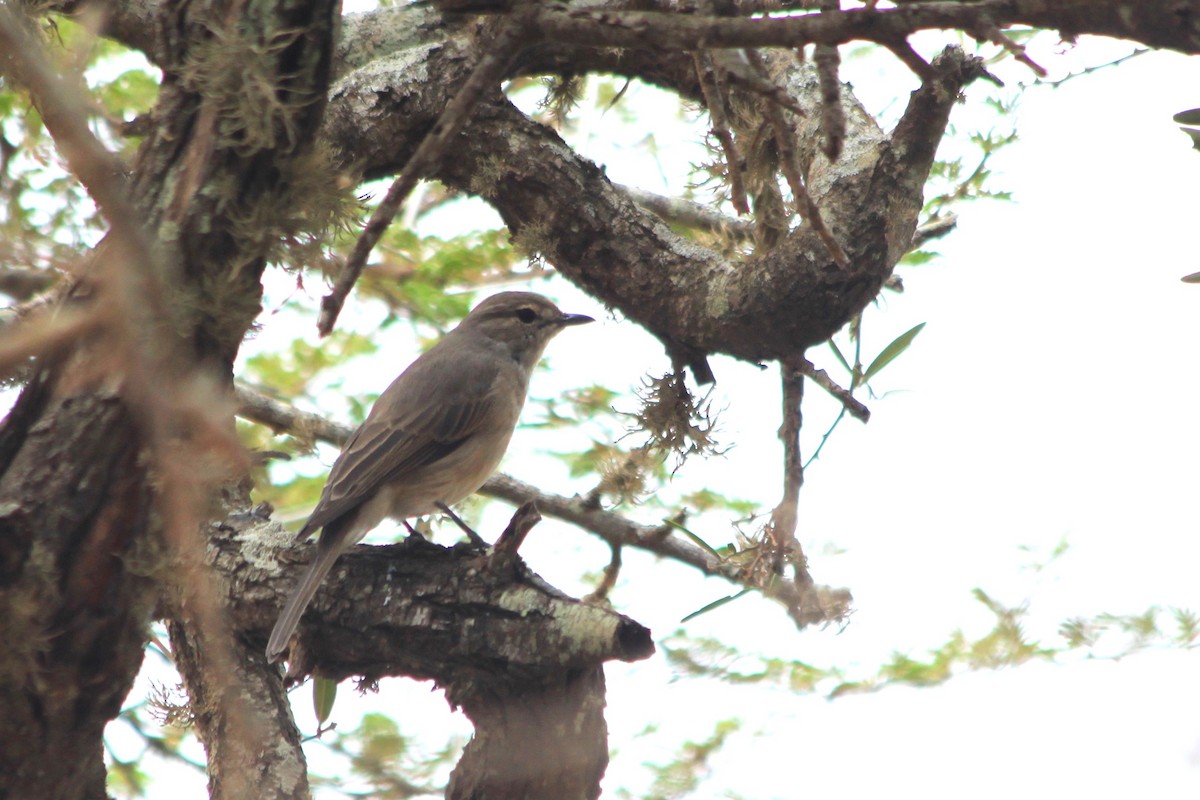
x,y
433,437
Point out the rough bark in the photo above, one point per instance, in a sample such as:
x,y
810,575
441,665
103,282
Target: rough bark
x,y
452,615
556,203
76,600
83,560
522,660
82,563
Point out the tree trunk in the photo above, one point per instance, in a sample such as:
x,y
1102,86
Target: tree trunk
x,y
83,563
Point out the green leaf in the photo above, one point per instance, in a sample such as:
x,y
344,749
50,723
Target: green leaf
x,y
916,258
833,346
889,354
324,693
695,539
1189,117
716,604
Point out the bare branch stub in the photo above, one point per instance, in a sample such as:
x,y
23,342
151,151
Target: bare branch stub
x,y
522,522
609,579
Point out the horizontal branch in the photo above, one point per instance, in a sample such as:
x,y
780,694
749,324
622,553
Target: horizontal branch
x,y
609,526
1154,22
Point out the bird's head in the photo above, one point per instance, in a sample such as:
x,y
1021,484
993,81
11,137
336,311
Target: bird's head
x,y
522,322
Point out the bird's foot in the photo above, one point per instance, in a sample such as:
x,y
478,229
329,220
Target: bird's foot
x,y
478,541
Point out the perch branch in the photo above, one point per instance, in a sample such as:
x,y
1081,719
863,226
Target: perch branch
x,y
613,528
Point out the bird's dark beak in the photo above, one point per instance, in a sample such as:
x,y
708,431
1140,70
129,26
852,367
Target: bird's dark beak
x,y
574,319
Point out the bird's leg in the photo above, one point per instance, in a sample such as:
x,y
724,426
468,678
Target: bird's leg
x,y
412,531
475,538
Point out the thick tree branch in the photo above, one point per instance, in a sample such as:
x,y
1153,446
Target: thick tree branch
x,y
1158,23
696,301
522,661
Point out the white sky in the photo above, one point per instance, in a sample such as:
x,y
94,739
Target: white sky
x,y
1051,395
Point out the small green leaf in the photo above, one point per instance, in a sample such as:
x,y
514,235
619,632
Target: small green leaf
x,y
833,346
715,604
324,693
915,258
1189,117
696,539
889,354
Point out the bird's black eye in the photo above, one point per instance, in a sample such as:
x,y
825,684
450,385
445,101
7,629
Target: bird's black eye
x,y
526,315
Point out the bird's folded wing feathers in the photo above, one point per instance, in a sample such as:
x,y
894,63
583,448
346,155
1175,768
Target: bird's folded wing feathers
x,y
401,436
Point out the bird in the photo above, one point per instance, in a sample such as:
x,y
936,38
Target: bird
x,y
433,437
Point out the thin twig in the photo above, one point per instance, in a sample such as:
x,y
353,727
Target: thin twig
x,y
848,400
996,36
608,579
833,117
510,541
911,59
487,73
781,530
740,72
825,438
35,306
1089,70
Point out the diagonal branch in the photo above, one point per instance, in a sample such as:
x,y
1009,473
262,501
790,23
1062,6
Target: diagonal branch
x,y
493,63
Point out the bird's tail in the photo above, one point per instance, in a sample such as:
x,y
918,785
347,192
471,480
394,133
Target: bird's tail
x,y
289,618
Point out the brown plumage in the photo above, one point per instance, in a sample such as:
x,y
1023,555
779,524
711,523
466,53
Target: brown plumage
x,y
434,436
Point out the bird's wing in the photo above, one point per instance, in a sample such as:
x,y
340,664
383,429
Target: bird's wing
x,y
409,428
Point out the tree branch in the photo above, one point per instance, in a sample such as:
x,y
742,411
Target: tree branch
x,y
613,528
1153,22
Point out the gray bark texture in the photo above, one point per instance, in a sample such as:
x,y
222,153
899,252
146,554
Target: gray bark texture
x,y
101,529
